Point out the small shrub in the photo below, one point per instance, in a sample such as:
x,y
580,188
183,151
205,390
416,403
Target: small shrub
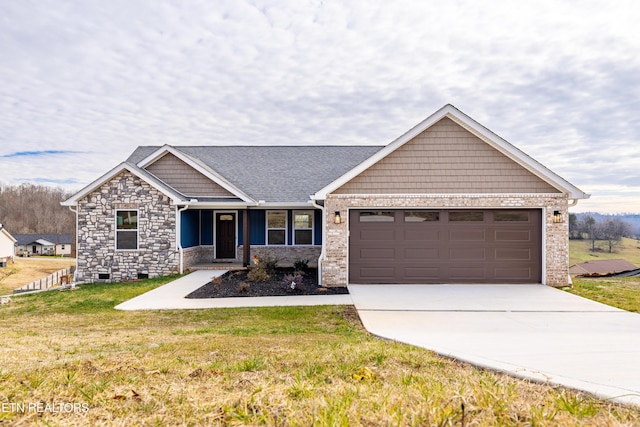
x,y
258,274
217,281
269,264
243,287
292,281
301,265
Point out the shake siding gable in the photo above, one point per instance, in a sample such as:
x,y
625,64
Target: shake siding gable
x,y
185,179
446,159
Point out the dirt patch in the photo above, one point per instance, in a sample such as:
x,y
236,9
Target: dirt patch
x,y
283,282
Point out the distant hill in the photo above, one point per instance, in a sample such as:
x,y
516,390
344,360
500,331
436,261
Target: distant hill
x,y
580,251
632,218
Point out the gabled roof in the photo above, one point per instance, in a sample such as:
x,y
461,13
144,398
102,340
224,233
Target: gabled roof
x,y
44,239
273,174
290,175
198,165
140,173
475,128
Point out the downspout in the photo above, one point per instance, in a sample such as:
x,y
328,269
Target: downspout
x,y
324,238
179,235
73,282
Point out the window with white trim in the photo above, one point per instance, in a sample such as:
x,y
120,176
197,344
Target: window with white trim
x,y
126,230
303,227
276,227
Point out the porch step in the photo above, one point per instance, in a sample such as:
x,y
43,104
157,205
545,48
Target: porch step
x,y
218,266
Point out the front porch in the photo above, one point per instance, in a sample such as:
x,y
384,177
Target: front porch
x,y
230,239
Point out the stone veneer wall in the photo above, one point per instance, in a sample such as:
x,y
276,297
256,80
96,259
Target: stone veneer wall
x,y
197,255
156,255
555,239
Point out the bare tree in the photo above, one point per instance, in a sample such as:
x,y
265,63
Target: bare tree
x,y
612,230
589,227
29,208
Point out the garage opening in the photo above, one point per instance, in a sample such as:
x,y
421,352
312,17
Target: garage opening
x,y
445,246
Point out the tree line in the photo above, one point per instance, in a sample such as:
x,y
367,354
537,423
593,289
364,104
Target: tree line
x,y
35,209
607,229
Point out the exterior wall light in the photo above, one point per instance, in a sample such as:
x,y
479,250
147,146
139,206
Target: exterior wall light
x,y
557,217
337,219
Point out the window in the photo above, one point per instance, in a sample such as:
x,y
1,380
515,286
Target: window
x,y
276,227
126,230
303,227
421,216
377,216
511,216
466,216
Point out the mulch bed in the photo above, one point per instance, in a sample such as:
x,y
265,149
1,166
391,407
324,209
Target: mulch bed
x,y
236,284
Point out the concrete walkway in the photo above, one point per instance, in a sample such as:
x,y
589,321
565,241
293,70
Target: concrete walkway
x,y
530,331
172,296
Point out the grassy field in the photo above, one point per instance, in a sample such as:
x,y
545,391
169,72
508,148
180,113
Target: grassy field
x,y
580,251
622,293
256,366
25,270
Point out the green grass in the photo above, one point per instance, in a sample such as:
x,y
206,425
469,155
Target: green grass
x,y
623,293
288,366
580,251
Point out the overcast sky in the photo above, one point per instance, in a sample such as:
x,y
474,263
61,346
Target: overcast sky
x,y
83,83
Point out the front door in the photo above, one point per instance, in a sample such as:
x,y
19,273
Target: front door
x,y
225,235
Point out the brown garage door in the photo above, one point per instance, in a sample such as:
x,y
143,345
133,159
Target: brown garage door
x,y
445,246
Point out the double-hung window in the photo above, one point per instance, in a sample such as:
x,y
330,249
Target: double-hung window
x,y
126,230
276,227
303,227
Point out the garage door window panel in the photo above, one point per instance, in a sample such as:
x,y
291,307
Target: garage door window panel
x,y
511,216
377,216
466,216
421,216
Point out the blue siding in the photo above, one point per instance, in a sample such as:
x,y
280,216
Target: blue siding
x,y
289,227
189,228
206,227
258,220
240,227
317,224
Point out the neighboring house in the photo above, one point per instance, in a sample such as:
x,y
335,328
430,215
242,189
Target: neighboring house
x,y
7,245
603,267
44,244
447,202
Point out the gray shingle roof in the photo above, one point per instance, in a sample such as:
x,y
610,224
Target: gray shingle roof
x,y
58,239
274,173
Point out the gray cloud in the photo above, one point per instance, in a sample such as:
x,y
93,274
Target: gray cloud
x,y
93,80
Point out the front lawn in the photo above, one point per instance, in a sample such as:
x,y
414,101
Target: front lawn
x,y
94,365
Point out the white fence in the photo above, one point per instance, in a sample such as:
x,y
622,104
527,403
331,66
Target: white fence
x,y
50,281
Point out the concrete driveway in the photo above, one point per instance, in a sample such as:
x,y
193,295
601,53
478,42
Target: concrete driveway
x,y
530,331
